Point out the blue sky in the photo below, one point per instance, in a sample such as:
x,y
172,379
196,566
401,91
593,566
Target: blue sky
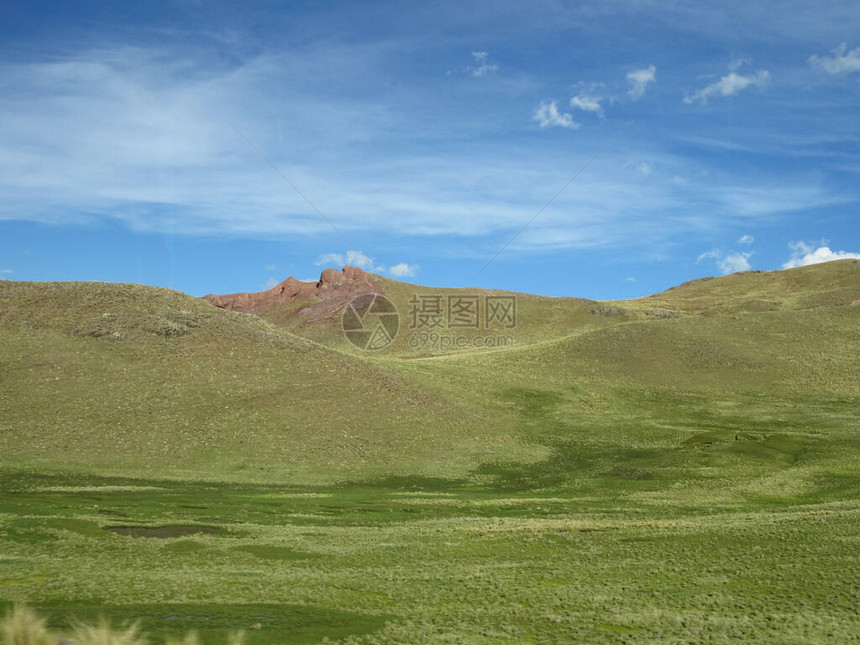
x,y
428,134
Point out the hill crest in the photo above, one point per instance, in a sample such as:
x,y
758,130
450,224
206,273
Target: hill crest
x,y
331,292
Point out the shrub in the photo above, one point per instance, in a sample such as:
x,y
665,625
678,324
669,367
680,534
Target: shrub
x,y
609,311
165,327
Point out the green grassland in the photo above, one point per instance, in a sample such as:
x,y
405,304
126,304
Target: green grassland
x,y
678,468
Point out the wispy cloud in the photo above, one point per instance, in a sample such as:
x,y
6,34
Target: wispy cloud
x,y
351,258
162,157
804,254
588,101
6,271
638,81
739,62
483,65
709,255
730,84
752,201
547,115
840,62
746,239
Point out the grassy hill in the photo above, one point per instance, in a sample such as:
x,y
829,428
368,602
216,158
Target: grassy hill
x,y
120,378
681,467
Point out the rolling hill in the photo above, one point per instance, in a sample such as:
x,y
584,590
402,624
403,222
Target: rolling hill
x,y
112,376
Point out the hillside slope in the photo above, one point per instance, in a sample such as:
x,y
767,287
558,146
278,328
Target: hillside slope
x,y
831,284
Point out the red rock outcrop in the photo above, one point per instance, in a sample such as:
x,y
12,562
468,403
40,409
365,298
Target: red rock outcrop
x,y
331,292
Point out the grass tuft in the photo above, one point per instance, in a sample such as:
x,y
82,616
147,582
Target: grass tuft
x,y
103,634
22,626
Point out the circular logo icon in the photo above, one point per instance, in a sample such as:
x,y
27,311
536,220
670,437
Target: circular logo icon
x,y
370,321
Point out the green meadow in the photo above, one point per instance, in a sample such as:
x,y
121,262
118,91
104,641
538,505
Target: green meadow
x,y
682,468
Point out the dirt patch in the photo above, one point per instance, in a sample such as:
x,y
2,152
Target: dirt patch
x,y
108,511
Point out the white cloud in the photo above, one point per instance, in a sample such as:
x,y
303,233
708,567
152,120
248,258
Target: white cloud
x,y
359,259
547,115
731,263
6,271
731,83
588,102
638,80
840,62
330,258
271,283
746,239
709,255
351,258
161,157
629,279
403,270
735,262
805,254
645,168
483,64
